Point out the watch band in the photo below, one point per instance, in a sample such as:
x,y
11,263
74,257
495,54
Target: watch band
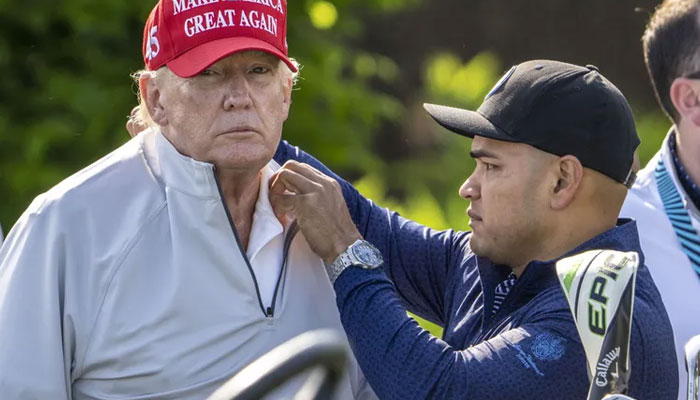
x,y
348,258
334,269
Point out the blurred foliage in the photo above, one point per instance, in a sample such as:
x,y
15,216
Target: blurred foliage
x,y
67,91
323,14
652,126
467,83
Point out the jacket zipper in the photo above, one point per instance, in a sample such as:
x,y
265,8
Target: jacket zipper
x,y
293,229
268,312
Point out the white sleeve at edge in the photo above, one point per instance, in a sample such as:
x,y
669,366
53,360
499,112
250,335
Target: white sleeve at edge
x,y
35,338
361,389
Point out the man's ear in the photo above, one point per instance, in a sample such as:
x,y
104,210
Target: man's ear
x,y
569,174
685,96
151,96
287,96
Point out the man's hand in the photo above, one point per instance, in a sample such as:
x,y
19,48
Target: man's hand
x,y
319,207
133,126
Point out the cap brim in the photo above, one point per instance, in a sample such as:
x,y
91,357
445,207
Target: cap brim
x,y
465,122
194,61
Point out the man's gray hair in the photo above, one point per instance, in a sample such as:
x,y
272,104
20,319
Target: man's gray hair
x,y
143,117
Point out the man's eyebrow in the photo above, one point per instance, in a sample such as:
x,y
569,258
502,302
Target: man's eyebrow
x,y
480,153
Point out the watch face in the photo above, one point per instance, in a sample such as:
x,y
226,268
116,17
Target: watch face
x,y
368,254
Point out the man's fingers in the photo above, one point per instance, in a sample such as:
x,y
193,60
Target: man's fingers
x,y
283,203
293,182
283,206
307,171
133,126
277,186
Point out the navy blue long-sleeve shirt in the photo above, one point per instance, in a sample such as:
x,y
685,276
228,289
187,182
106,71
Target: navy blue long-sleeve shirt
x,y
528,349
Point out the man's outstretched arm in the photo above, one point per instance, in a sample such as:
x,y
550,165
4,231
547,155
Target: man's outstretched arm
x,y
403,361
418,258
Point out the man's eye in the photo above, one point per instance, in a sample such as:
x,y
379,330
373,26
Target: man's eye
x,y
489,167
207,72
260,70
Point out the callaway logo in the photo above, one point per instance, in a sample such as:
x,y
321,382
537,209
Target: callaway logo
x,y
603,366
153,47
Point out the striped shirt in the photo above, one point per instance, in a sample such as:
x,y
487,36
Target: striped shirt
x,y
501,292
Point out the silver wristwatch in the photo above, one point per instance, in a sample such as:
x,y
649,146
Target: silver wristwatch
x,y
361,253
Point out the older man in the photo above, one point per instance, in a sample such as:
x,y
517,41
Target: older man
x,y
554,146
161,270
665,200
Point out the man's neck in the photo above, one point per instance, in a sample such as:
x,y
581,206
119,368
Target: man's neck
x,y
240,191
688,149
563,242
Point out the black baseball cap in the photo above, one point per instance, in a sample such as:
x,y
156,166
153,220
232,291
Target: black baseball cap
x,y
556,107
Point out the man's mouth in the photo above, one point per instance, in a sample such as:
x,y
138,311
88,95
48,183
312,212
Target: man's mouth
x,y
240,129
473,215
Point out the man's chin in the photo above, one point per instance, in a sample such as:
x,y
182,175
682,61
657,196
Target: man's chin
x,y
476,245
242,156
479,247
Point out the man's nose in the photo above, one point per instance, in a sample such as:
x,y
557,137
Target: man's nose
x,y
238,94
470,189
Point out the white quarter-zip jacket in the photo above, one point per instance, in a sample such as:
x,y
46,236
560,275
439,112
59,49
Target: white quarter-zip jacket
x,y
669,265
127,281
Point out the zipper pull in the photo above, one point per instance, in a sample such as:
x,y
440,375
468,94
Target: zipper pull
x,y
269,312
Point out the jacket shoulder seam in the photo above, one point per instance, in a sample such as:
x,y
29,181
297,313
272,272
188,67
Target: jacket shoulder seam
x,y
120,260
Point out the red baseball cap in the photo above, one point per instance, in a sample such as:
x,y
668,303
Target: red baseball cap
x,y
190,35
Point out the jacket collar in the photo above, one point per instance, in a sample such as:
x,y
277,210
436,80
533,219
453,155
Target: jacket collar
x,y
182,173
196,179
666,157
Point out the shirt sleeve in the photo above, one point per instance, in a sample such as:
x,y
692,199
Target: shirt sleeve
x,y
540,359
36,341
417,259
